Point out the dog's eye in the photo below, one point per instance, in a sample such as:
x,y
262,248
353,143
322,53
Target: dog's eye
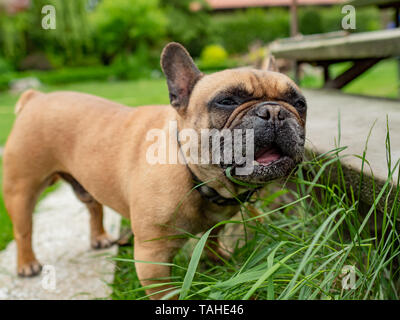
x,y
227,102
300,105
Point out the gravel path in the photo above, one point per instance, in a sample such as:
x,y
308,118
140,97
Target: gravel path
x,y
61,243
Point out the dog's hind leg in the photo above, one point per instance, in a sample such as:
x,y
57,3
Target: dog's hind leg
x,y
20,196
99,239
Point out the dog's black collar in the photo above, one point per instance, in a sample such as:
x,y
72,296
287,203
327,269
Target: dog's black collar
x,y
211,194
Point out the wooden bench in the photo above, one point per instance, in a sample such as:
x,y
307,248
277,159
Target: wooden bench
x,y
364,49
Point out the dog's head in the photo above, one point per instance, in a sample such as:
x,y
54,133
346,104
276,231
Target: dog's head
x,y
263,110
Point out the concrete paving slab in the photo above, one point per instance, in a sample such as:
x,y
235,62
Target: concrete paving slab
x,y
358,115
61,243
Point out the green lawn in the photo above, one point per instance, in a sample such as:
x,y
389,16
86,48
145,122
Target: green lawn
x,y
132,93
381,80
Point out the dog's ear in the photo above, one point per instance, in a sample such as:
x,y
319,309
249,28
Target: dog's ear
x,y
271,64
181,73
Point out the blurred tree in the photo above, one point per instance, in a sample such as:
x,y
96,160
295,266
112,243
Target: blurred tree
x,y
320,19
188,23
310,21
123,27
237,31
130,33
22,34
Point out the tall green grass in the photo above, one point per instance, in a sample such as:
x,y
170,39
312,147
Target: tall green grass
x,y
301,249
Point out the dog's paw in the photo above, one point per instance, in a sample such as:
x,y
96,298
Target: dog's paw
x,y
30,269
102,241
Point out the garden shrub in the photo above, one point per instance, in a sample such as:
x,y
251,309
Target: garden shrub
x,y
310,21
64,75
121,27
191,28
368,19
22,34
129,36
236,31
213,56
136,65
320,20
5,66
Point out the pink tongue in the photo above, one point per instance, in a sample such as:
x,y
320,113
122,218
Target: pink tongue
x,y
268,156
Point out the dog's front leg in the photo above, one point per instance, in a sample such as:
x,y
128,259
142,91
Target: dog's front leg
x,y
151,272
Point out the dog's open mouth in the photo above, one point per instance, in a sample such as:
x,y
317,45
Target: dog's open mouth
x,y
269,163
268,156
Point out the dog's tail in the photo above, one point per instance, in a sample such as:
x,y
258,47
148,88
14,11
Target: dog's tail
x,y
25,97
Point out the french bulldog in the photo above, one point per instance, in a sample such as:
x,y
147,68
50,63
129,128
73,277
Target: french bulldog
x,y
102,149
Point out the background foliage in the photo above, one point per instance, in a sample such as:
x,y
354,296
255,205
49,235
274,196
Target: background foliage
x,y
129,37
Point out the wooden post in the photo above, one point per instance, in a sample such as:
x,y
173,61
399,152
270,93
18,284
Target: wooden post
x,y
327,76
294,30
359,67
397,22
294,22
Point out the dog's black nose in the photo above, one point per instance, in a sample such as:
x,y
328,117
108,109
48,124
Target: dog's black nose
x,y
270,111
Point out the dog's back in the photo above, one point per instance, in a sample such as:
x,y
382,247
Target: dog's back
x,y
25,97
